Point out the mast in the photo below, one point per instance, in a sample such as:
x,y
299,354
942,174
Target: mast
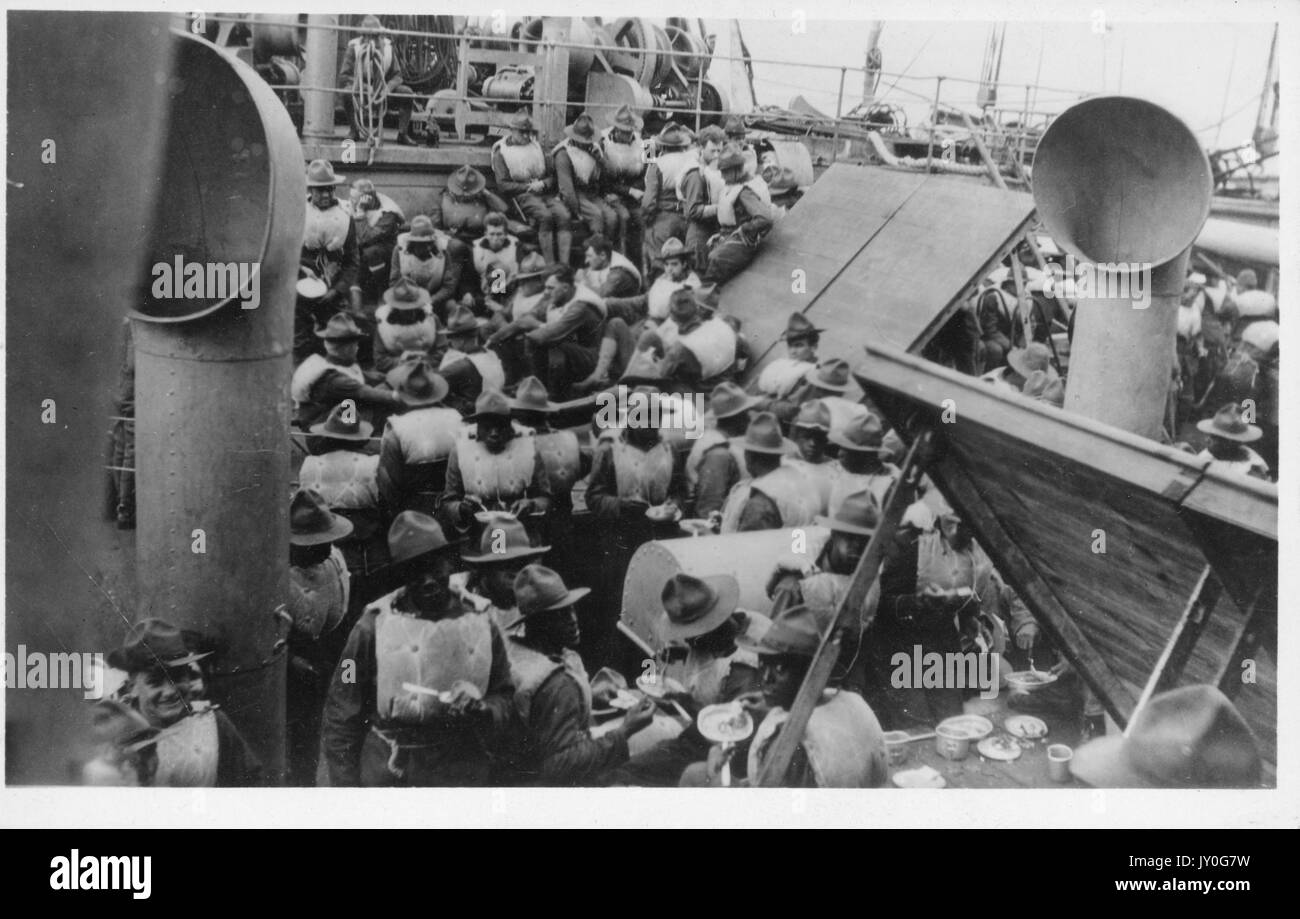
x,y
871,73
1265,136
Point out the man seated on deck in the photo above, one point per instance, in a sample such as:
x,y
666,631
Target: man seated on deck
x,y
552,695
321,382
810,431
468,367
329,239
624,155
661,208
699,185
716,462
607,271
862,465
566,348
699,348
745,217
648,310
488,584
701,614
430,260
497,246
1229,434
422,690
843,745
526,175
783,375
372,43
773,495
563,458
416,444
520,308
579,170
405,327
828,382
465,204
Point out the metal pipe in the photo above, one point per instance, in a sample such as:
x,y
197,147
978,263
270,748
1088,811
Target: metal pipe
x,y
839,111
1122,184
212,405
321,70
934,116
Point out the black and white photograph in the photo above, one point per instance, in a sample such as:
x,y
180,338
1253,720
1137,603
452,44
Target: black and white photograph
x,y
830,397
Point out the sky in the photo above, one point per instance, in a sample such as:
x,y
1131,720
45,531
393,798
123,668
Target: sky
x,y
1201,72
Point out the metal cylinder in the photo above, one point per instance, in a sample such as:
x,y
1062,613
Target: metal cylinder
x,y
734,553
321,70
1123,184
212,403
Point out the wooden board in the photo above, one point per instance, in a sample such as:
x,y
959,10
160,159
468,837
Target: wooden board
x,y
886,257
1055,482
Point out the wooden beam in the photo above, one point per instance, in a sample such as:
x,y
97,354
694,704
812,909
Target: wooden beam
x,y
1012,564
1183,639
1256,628
777,763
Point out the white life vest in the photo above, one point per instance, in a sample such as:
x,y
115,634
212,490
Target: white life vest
x,y
529,669
327,229
623,160
1253,463
188,751
843,741
496,479
423,272
386,206
586,169
426,435
595,279
727,200
419,336
487,363
433,655
1252,303
713,342
345,479
850,483
524,162
826,590
313,367
711,438
1189,321
661,293
703,675
522,305
318,595
508,257
1261,335
782,375
712,179
643,474
581,294
562,457
821,475
672,165
939,565
844,412
795,497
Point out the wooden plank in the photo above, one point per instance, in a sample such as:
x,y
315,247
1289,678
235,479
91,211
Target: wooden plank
x,y
961,492
787,742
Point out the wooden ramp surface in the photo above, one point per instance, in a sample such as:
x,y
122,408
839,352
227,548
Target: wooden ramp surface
x,y
1039,486
887,256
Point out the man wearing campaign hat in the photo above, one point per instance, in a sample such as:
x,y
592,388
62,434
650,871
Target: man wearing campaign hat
x,y
464,205
322,382
829,381
700,614
378,218
745,215
579,174
329,239
1021,364
862,451
526,176
468,367
159,729
625,162
319,591
343,470
431,260
405,326
521,309
504,548
422,690
782,375
552,695
699,186
810,432
566,347
373,45
717,458
662,217
773,495
648,310
417,442
1229,435
700,347
495,466
736,132
843,745
561,454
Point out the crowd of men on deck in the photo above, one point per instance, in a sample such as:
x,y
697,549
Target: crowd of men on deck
x,y
443,466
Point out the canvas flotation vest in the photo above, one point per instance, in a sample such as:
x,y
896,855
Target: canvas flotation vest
x,y
345,479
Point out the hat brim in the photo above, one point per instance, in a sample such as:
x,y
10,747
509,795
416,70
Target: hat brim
x,y
460,189
727,591
1249,436
796,334
364,430
572,135
787,447
838,438
439,393
118,661
479,325
1016,361
571,597
839,526
1102,764
530,552
339,528
421,302
529,275
750,403
549,408
348,337
811,377
338,180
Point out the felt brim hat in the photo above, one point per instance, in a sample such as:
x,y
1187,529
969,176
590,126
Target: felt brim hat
x,y
1017,361
813,377
363,431
528,272
841,526
311,522
730,411
428,388
421,301
320,174
725,594
839,439
1248,436
509,554
570,598
466,181
340,527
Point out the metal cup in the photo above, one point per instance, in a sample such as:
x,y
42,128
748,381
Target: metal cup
x,y
1058,762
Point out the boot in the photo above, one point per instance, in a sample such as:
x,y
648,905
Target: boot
x,y
563,243
546,243
600,376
